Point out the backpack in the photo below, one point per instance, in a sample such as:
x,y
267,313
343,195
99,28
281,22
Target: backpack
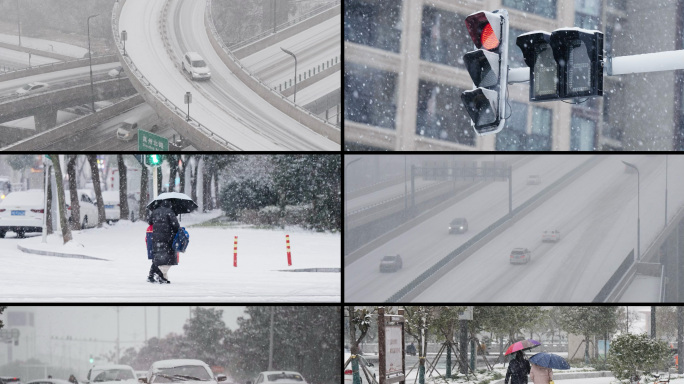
x,y
150,245
181,240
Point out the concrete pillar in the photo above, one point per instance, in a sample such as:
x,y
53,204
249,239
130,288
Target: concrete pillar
x,y
45,119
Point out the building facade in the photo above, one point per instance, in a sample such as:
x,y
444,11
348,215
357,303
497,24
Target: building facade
x,y
404,74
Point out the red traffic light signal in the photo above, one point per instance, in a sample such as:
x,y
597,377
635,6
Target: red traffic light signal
x,y
485,29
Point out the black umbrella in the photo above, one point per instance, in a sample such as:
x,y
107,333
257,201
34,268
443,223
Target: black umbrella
x,y
180,202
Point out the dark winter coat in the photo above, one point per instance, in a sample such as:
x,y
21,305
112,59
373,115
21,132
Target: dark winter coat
x,y
165,226
518,369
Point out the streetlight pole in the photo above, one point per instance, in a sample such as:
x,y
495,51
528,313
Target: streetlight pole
x,y
19,21
666,158
346,206
90,54
638,209
295,77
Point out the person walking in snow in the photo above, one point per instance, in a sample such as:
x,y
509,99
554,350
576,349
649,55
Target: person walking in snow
x,y
164,227
540,375
72,379
518,369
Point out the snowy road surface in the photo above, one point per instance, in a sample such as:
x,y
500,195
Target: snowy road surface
x,y
223,104
205,271
428,242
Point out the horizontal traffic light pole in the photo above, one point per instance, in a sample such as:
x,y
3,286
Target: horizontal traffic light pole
x,y
622,65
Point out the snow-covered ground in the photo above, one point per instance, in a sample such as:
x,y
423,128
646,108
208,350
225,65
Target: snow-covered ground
x,y
45,45
205,271
18,59
223,104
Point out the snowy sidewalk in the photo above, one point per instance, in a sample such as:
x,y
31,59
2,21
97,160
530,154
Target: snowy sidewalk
x,y
205,272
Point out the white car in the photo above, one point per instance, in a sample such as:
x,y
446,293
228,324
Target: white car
x,y
195,66
31,87
116,72
106,373
279,377
87,208
22,212
181,371
112,206
533,180
551,236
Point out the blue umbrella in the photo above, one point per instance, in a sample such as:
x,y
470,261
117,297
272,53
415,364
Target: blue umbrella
x,y
549,360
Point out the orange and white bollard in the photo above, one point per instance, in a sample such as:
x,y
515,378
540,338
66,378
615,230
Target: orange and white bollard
x,y
235,253
289,256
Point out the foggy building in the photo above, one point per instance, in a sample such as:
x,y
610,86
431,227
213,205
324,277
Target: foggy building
x,y
404,74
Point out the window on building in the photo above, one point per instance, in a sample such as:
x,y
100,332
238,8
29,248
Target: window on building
x,y
588,14
582,134
444,38
441,115
513,136
376,24
539,138
369,95
546,8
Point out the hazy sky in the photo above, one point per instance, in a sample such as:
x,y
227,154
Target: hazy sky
x,y
98,323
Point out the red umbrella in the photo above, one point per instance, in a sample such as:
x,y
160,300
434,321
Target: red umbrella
x,y
522,346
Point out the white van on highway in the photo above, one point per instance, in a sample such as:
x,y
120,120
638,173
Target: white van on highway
x,y
128,129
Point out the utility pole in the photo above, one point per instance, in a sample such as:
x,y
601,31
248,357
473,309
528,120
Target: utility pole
x,y
19,21
270,349
653,322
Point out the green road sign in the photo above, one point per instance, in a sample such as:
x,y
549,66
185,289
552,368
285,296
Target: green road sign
x,y
150,142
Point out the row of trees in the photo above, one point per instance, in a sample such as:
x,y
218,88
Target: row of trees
x,y
305,339
518,322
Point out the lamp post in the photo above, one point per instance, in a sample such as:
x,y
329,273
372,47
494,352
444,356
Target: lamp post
x,y
188,100
295,78
666,190
19,21
346,206
638,209
90,54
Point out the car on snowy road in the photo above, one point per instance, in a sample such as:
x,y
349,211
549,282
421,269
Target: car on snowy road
x,y
113,207
181,371
533,180
31,87
10,380
87,208
22,212
195,66
278,377
520,256
551,236
49,381
111,373
458,225
390,263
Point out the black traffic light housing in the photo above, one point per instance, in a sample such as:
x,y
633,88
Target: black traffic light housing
x,y
488,67
536,48
579,54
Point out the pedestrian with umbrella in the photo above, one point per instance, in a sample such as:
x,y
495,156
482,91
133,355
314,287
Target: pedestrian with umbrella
x,y
519,368
542,367
164,228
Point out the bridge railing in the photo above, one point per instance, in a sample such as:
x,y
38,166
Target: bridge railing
x,y
133,69
280,27
55,64
229,53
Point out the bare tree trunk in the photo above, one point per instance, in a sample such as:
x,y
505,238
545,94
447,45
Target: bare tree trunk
x,y
160,180
73,194
95,173
66,232
48,209
173,165
216,189
144,195
195,177
123,188
181,172
206,189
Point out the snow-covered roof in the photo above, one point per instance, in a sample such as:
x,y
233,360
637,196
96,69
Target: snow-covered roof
x,y
177,363
534,32
30,197
102,367
590,31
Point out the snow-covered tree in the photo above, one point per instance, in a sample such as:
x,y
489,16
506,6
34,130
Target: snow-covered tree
x,y
206,334
630,353
589,321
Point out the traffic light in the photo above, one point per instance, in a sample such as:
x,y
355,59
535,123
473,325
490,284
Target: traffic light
x,y
536,48
488,67
91,359
579,54
153,160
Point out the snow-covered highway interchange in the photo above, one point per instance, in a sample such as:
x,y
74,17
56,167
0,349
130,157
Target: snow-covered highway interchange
x,y
225,105
595,212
